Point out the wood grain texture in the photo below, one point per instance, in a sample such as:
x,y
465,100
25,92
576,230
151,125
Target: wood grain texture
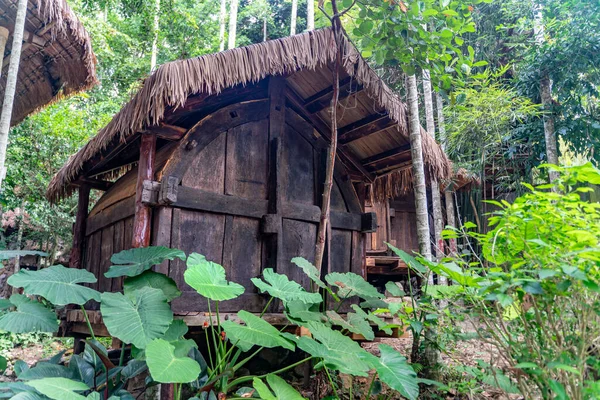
x,y
83,202
143,213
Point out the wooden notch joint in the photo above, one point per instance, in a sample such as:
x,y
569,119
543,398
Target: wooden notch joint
x,y
270,224
368,222
168,190
150,190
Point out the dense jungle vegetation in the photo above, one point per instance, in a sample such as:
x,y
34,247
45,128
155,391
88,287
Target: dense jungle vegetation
x,y
486,78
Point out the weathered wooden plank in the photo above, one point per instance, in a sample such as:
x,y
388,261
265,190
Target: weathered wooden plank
x,y
299,170
242,252
79,227
95,257
206,170
299,240
208,129
118,246
121,210
167,132
386,154
106,251
322,100
161,233
143,213
358,265
365,127
246,175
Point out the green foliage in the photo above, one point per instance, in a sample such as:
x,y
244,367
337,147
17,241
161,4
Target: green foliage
x,y
166,366
137,318
538,299
255,331
29,316
394,370
154,280
133,262
59,388
57,284
349,284
208,278
279,286
282,390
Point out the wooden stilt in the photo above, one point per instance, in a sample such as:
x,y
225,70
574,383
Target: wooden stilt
x,y
143,212
79,228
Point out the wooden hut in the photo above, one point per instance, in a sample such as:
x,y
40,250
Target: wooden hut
x,y
56,59
224,155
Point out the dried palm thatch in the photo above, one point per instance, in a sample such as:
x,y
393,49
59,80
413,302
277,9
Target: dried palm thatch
x,y
169,87
57,58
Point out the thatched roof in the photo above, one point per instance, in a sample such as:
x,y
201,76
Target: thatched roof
x,y
373,121
56,60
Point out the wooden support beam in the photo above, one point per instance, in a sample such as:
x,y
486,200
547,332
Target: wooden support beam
x,y
79,227
322,127
30,37
387,154
322,99
27,45
97,184
365,127
167,132
143,212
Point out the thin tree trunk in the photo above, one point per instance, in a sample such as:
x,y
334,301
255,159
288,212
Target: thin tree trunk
x,y
11,83
418,168
155,28
222,17
3,40
294,17
448,193
264,29
19,243
233,11
310,15
436,201
324,218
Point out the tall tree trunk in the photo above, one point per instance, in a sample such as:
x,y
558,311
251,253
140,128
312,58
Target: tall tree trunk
x,y
325,206
222,17
449,192
233,11
546,94
418,168
11,83
294,17
264,29
310,15
155,28
436,201
3,40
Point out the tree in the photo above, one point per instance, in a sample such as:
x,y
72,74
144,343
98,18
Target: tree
x,y
222,17
233,12
155,30
294,17
310,15
11,83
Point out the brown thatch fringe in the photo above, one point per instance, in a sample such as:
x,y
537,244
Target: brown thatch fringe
x,y
75,64
172,83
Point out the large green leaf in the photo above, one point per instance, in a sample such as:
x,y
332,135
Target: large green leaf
x,y
373,318
256,331
176,331
59,388
154,280
337,350
133,262
282,389
394,370
355,323
351,284
30,316
208,278
57,284
142,316
47,370
279,286
167,367
310,270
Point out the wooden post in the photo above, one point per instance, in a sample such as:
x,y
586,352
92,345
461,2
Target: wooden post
x,y
79,229
143,212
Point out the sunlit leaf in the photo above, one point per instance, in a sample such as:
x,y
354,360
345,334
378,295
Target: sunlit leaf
x,y
208,278
133,262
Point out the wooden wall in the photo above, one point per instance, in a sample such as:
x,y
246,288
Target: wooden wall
x,y
223,196
396,224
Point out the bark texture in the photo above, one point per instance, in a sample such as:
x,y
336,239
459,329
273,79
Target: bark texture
x,y
233,11
449,192
3,40
222,17
155,28
310,15
418,168
294,17
549,131
11,84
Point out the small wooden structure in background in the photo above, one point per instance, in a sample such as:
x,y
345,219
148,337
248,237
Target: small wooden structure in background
x,y
224,155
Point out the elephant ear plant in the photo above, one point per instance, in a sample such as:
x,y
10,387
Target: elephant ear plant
x,y
142,319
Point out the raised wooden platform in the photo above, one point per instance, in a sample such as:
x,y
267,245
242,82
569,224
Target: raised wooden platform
x,y
386,265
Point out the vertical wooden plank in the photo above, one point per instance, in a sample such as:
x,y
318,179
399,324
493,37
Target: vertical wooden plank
x,y
106,251
246,175
79,228
341,251
299,169
274,243
143,213
359,265
299,240
207,170
118,243
361,192
94,260
242,252
161,234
